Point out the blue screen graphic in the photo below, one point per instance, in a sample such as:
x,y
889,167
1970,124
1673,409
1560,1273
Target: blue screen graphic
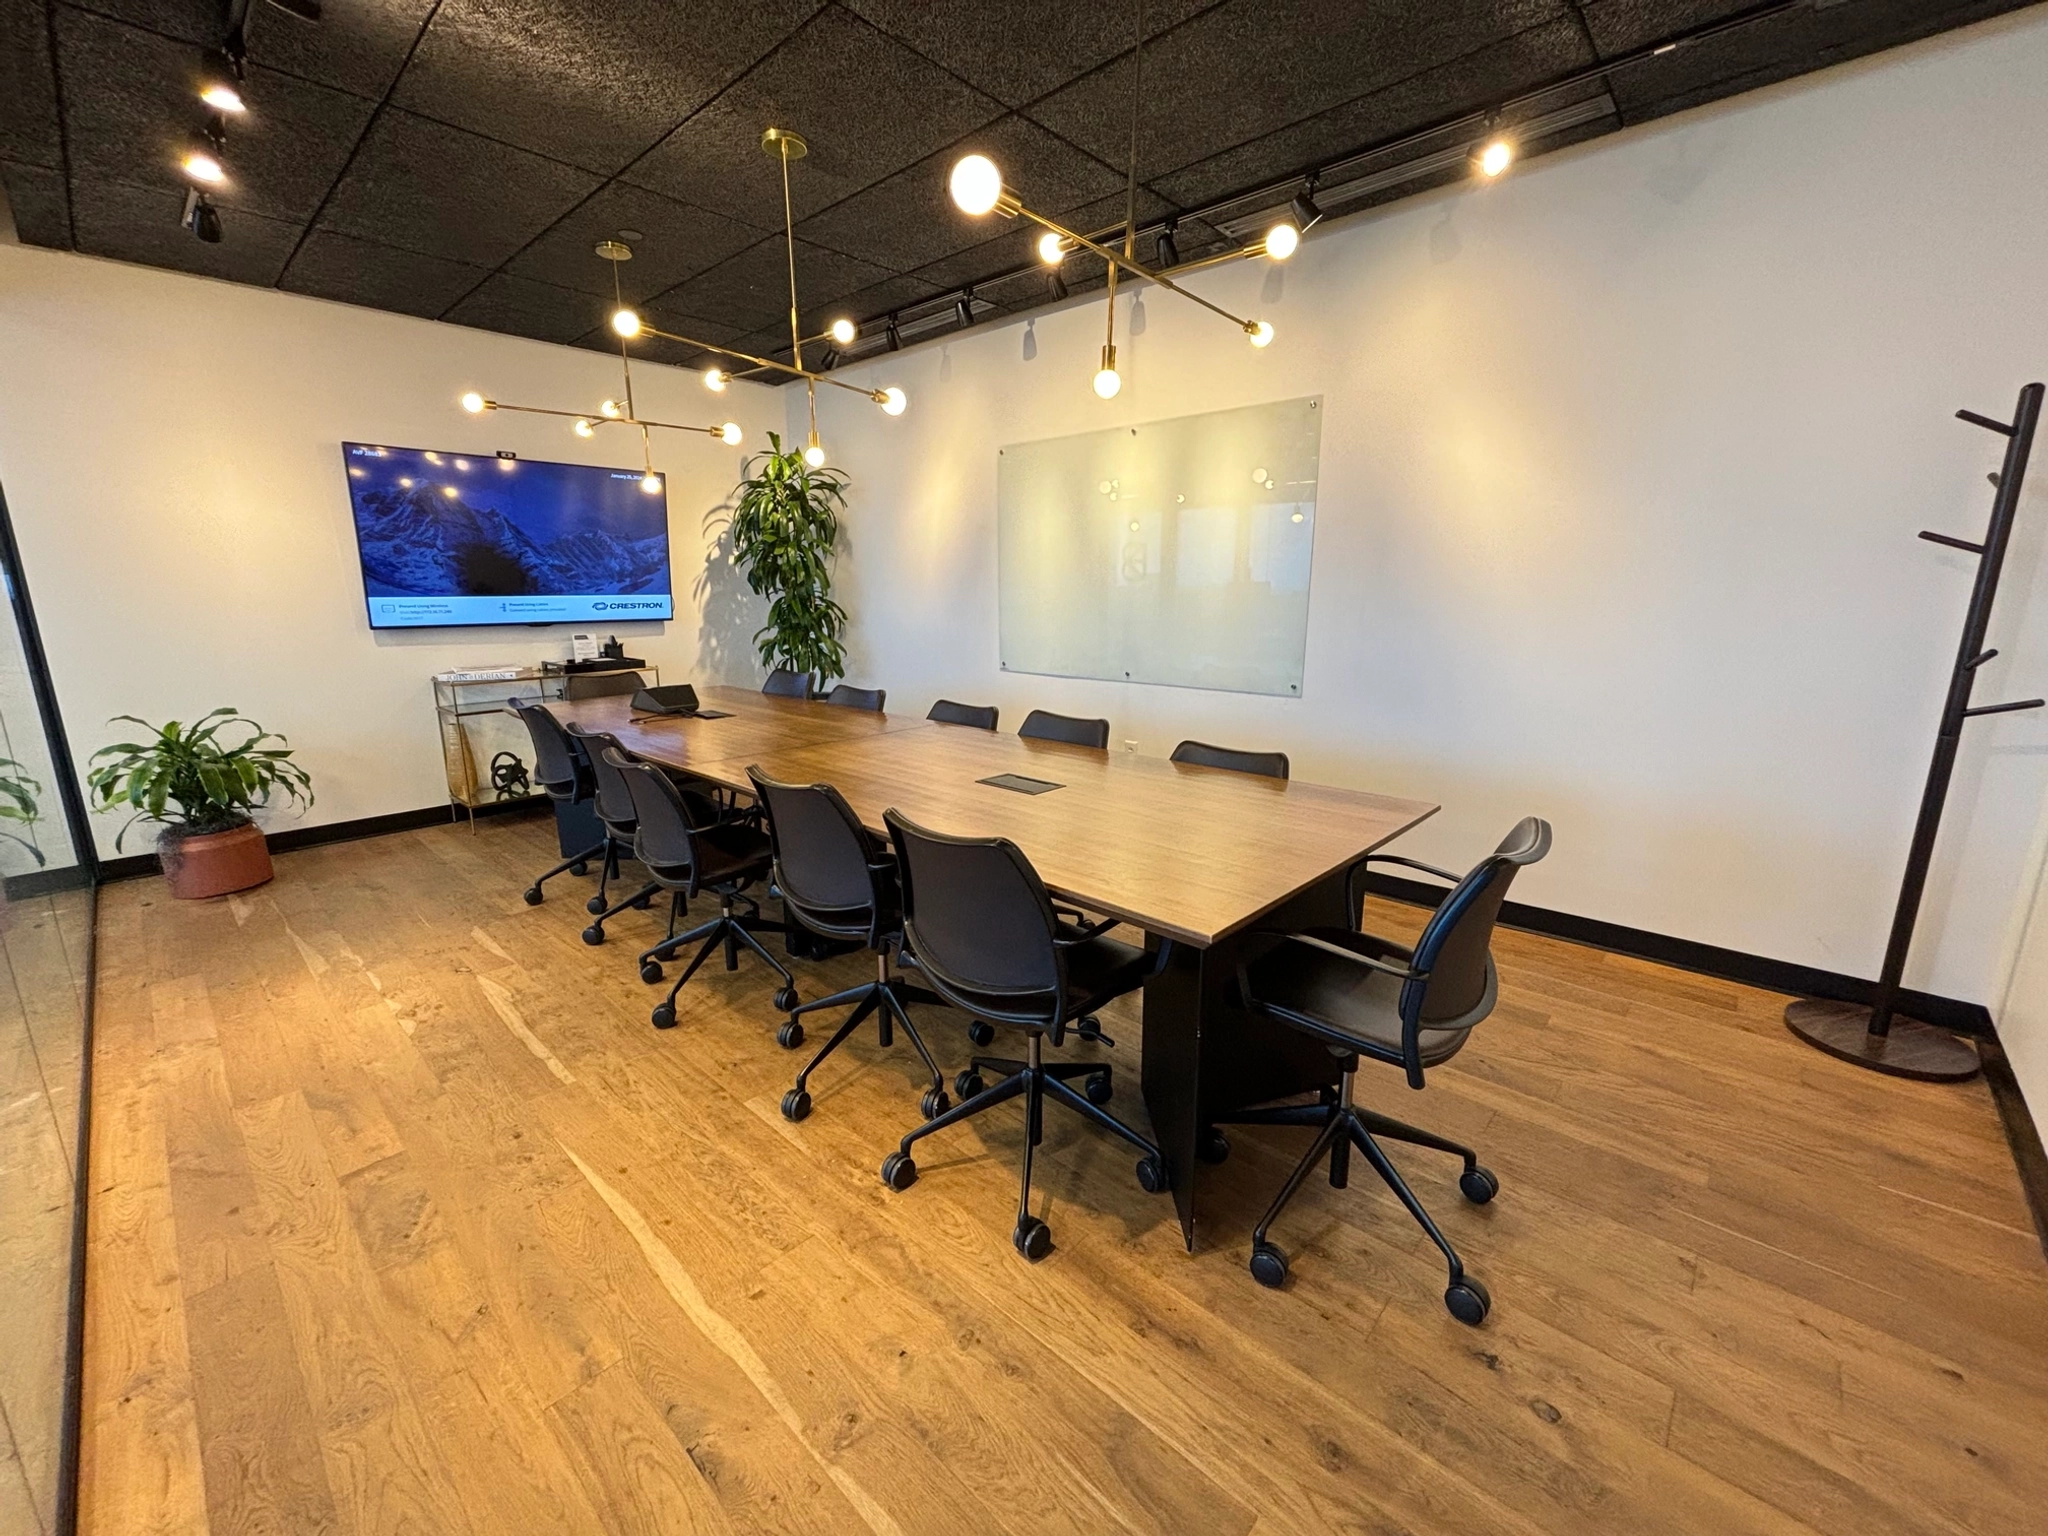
x,y
451,538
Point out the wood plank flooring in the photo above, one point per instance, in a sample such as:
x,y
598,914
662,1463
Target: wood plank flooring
x,y
404,1219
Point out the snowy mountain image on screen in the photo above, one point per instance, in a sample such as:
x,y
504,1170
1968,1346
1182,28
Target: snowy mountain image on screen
x,y
444,537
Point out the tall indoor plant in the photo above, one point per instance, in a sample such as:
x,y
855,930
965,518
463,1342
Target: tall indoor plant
x,y
201,790
783,531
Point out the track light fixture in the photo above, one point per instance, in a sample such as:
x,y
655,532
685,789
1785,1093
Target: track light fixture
x,y
1495,153
1168,250
200,216
1055,285
1303,206
205,158
827,360
894,336
963,309
220,78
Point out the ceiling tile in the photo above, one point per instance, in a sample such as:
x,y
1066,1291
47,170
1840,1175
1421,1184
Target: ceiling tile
x,y
595,85
356,46
522,307
130,111
423,186
672,241
1621,26
39,204
1250,67
28,90
1018,50
335,266
140,223
751,289
867,105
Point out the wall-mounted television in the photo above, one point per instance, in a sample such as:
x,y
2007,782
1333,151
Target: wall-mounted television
x,y
453,538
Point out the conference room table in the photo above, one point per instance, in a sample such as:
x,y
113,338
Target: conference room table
x,y
1207,861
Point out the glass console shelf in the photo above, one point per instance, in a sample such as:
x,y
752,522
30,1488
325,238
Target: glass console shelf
x,y
472,708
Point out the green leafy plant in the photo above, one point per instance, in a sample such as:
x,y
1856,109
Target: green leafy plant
x,y
190,782
18,792
783,530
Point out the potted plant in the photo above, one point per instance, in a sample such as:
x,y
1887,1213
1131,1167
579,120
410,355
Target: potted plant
x,y
18,792
783,529
202,792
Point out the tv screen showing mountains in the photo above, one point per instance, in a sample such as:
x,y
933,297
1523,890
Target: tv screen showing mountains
x,y
446,525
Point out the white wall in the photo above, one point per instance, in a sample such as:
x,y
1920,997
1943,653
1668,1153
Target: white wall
x,y
170,449
1623,460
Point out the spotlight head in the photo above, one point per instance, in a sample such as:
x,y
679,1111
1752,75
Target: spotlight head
x,y
651,483
1495,156
625,322
1306,213
1056,286
963,309
203,161
1051,249
715,379
842,331
475,403
894,336
200,216
583,428
814,456
894,401
1282,241
1169,248
611,410
976,184
731,433
220,81
827,359
1260,332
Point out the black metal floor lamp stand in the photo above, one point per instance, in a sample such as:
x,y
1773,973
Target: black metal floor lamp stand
x,y
1878,1036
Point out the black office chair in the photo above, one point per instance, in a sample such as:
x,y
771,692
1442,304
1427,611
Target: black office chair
x,y
614,804
946,712
724,858
1411,1008
1044,725
786,684
1271,765
601,685
846,696
836,881
563,773
980,927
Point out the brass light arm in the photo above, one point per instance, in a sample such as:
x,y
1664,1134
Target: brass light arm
x,y
879,396
1117,258
597,419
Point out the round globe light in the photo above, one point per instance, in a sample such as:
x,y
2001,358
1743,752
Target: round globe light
x,y
716,379
1051,249
814,456
1261,333
842,330
473,403
650,482
1282,240
976,184
894,401
1496,157
583,428
1108,382
625,322
611,409
731,433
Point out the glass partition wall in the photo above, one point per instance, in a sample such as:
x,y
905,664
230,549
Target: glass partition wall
x,y
47,875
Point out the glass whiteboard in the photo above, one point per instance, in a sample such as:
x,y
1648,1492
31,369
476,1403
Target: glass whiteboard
x,y
1176,552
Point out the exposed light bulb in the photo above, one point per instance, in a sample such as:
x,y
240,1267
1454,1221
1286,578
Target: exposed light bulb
x,y
1108,382
473,402
222,96
842,330
716,378
976,184
650,482
625,322
894,401
610,408
1282,240
731,433
204,165
1260,332
1051,250
1497,156
814,456
583,428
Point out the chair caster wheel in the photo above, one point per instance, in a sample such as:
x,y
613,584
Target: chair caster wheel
x,y
934,1103
533,896
650,971
1269,1265
898,1171
1033,1238
786,999
1151,1175
580,867
980,1033
968,1084
795,1104
1098,1087
594,906
1213,1147
1468,1301
665,1016
1478,1185
594,934
790,1036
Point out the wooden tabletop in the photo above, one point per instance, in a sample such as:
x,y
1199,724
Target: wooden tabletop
x,y
1191,853
758,723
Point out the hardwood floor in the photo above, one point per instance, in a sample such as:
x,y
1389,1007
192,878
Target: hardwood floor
x,y
404,1219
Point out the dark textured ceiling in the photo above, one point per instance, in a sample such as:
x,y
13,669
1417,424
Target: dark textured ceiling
x,y
459,158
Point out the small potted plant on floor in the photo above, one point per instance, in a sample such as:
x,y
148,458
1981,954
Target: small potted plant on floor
x,y
201,791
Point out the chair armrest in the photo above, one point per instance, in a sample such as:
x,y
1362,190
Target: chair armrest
x,y
1404,972
1395,858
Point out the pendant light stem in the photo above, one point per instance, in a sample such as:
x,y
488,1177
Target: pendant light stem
x,y
625,358
796,338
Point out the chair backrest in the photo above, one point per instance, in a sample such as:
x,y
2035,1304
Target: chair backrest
x,y
821,854
1456,944
558,763
979,921
1044,725
614,800
846,696
664,839
601,685
946,712
1272,765
790,685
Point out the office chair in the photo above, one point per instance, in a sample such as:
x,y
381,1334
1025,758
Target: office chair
x,y
1271,765
724,858
601,685
1044,725
946,712
1411,1008
786,684
978,924
849,697
836,880
563,773
614,804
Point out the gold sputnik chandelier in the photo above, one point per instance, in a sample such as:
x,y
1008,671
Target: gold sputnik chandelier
x,y
615,412
626,323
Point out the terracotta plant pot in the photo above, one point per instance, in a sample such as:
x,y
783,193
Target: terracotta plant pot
x,y
214,863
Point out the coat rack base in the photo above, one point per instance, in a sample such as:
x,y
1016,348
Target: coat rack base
x,y
1912,1048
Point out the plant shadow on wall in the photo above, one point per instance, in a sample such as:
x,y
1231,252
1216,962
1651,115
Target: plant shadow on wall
x,y
201,791
782,536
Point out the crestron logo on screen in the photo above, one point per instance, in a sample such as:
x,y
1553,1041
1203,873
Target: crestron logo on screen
x,y
607,607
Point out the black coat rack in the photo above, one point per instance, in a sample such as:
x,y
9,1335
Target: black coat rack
x,y
1879,1036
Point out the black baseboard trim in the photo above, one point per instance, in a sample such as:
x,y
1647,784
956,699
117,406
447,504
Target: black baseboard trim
x,y
46,882
136,866
2021,1134
1949,1013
